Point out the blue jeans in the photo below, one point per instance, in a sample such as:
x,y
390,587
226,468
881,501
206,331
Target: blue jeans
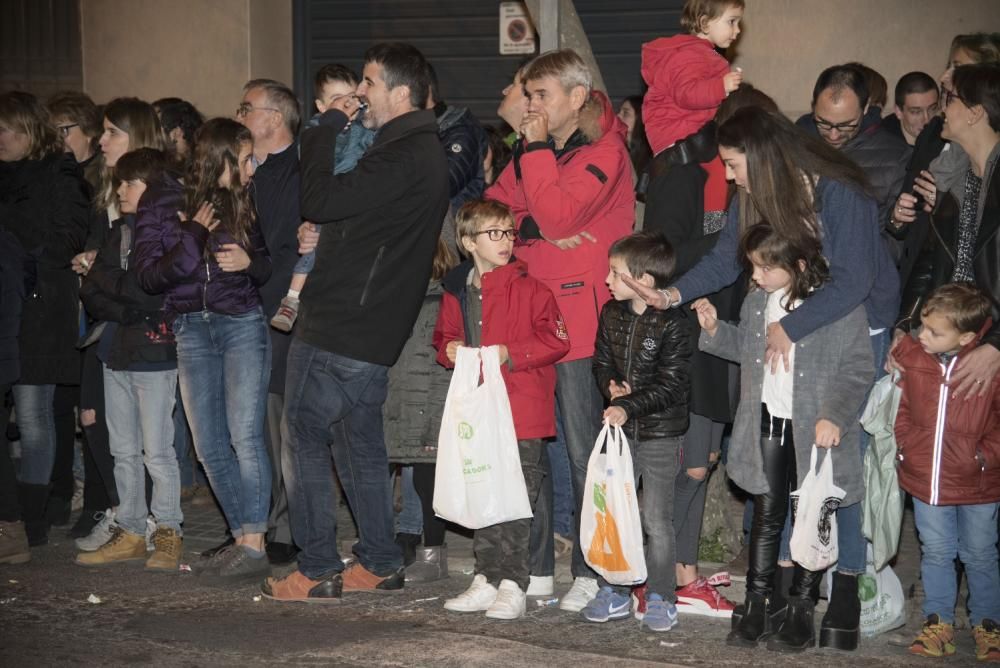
x,y
563,511
969,533
581,406
37,424
224,365
141,431
411,518
305,263
333,407
190,470
852,545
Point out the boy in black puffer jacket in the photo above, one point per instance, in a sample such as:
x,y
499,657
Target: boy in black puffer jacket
x,y
642,365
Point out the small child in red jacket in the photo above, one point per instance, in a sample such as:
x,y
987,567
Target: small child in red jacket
x,y
491,300
949,461
687,77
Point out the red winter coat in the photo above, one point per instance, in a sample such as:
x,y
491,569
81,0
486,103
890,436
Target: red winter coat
x,y
586,189
684,74
520,313
952,456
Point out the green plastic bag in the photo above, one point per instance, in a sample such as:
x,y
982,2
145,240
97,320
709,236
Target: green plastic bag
x,y
882,505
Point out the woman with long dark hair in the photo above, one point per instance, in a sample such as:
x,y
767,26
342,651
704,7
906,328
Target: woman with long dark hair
x,y
807,191
43,203
210,261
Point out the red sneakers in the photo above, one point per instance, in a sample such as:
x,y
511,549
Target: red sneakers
x,y
639,601
701,597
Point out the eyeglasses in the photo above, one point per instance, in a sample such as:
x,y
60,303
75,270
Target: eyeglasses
x,y
496,234
245,108
843,128
950,95
64,129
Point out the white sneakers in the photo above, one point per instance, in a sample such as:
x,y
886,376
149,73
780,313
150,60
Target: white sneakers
x,y
541,585
510,602
99,535
478,597
579,595
505,602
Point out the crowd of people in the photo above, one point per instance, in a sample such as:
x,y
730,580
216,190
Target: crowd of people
x,y
287,298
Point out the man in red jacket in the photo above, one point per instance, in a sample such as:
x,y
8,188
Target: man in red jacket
x,y
570,189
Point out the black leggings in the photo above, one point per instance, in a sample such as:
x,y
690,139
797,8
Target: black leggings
x,y
777,447
434,526
10,509
99,490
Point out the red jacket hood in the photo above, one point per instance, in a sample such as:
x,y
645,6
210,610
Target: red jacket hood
x,y
660,50
598,120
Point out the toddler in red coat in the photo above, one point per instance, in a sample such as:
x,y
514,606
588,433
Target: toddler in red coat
x,y
490,300
949,461
687,77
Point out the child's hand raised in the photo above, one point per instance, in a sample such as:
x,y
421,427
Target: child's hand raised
x,y
616,416
615,390
708,317
451,352
732,80
827,434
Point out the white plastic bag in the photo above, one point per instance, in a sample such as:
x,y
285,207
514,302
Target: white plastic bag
x,y
883,607
610,528
814,508
478,481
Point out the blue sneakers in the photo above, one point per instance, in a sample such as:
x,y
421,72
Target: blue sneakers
x,y
660,615
608,605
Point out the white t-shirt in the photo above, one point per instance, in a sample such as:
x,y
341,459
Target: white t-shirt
x,y
777,391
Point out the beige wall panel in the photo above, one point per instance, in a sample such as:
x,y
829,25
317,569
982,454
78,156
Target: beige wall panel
x,y
271,40
787,43
195,49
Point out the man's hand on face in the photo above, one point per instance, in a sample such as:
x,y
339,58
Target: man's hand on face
x,y
535,126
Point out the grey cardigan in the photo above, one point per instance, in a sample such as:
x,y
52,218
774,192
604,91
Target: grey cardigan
x,y
834,370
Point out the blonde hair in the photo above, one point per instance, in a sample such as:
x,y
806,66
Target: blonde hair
x,y
697,13
23,113
962,304
474,213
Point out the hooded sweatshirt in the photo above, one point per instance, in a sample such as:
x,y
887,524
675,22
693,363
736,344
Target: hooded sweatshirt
x,y
585,187
684,74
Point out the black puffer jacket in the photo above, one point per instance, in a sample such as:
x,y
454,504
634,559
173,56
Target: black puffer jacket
x,y
13,262
652,353
882,156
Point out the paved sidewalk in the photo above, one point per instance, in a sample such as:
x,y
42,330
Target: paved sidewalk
x,y
173,620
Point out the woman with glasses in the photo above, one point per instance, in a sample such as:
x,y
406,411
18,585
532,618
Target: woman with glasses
x,y
964,207
44,205
128,124
209,262
908,221
810,193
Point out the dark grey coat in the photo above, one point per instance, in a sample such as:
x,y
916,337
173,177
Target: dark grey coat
x,y
417,389
834,369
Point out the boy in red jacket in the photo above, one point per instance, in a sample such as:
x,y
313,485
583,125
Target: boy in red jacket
x,y
491,301
949,461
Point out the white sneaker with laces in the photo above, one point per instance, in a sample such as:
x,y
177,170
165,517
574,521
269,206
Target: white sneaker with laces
x,y
99,535
509,603
579,595
541,585
478,597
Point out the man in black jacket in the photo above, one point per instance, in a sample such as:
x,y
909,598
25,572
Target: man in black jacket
x,y
270,111
842,118
382,221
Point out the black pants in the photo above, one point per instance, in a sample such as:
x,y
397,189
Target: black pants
x,y
777,449
99,490
10,509
434,526
502,549
64,404
543,541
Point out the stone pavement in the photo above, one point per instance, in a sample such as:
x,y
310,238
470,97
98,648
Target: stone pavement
x,y
173,620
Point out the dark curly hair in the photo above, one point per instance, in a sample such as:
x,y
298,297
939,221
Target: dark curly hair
x,y
772,249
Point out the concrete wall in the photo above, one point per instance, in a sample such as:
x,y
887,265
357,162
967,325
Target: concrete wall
x,y
786,43
200,50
